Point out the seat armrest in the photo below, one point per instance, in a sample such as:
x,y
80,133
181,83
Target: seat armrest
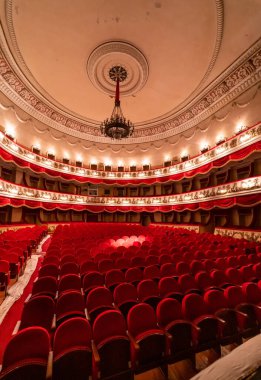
x,y
16,328
95,353
28,297
168,340
133,342
49,370
86,314
241,318
53,327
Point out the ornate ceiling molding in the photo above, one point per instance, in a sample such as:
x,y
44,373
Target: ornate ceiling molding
x,y
241,75
114,53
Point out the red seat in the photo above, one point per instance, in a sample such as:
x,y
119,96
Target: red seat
x,y
221,263
148,292
148,342
51,260
164,259
138,261
72,350
125,296
112,359
105,265
98,300
237,299
247,273
46,285
151,260
209,265
134,275
217,304
170,318
253,296
67,259
122,263
49,270
168,269
169,287
114,277
196,266
38,311
14,264
69,268
232,262
257,270
92,280
69,304
219,278
182,268
203,281
195,310
234,276
242,260
188,284
26,355
4,275
69,282
88,266
151,272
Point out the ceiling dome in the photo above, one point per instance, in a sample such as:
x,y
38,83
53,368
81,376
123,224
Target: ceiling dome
x,y
183,65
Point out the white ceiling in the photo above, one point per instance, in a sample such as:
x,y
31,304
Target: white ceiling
x,y
187,44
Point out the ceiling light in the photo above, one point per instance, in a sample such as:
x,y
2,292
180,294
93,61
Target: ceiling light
x,y
117,127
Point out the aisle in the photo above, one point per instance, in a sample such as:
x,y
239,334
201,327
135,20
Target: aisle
x,y
12,306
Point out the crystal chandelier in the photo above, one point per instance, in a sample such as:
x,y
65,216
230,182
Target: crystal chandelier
x,y
117,127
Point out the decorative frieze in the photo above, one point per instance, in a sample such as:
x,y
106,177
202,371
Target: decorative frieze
x,y
239,188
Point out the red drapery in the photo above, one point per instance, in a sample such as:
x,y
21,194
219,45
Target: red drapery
x,y
238,155
245,201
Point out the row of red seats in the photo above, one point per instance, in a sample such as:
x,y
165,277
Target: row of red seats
x,y
176,267
124,294
14,253
176,331
198,280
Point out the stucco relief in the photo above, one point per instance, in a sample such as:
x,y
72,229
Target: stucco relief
x,y
244,76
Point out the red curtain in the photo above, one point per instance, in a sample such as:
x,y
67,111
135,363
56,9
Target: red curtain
x,y
245,201
239,155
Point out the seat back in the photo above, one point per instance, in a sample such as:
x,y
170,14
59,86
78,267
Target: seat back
x,y
125,292
193,306
38,311
252,292
69,304
92,280
49,270
114,277
97,297
69,282
168,310
147,288
151,272
109,324
26,354
72,350
168,285
234,296
215,300
133,275
141,318
45,285
69,268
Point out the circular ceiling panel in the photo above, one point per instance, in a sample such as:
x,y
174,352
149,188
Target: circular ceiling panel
x,y
117,53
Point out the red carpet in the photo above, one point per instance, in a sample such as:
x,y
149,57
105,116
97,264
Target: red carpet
x,y
14,314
